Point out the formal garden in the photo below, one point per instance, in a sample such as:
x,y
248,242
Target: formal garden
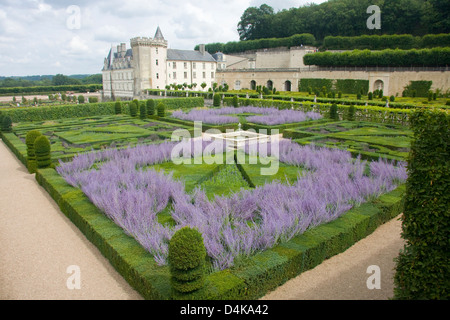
x,y
203,221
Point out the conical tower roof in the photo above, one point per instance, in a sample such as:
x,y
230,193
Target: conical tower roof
x,y
158,34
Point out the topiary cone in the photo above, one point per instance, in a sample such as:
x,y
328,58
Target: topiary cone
x,y
187,255
43,152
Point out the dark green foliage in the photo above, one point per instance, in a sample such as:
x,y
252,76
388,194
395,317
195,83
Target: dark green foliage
x,y
93,99
351,113
161,110
334,112
150,107
358,96
133,108
385,58
235,101
118,107
370,96
423,267
234,46
216,100
187,256
418,88
6,124
43,152
352,86
315,84
31,154
142,110
392,98
81,99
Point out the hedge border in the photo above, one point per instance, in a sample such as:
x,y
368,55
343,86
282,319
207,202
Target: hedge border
x,y
262,272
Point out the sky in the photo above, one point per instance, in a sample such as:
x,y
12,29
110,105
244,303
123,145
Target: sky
x,y
47,37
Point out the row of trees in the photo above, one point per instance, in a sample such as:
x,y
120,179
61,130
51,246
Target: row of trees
x,y
346,18
241,46
377,42
48,81
385,58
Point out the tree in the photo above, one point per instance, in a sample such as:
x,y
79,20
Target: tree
x,y
254,22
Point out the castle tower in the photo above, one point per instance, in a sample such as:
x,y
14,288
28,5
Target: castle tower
x,y
149,59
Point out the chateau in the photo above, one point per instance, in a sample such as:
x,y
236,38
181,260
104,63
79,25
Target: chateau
x,y
149,64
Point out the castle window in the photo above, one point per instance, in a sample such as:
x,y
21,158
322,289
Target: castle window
x,y
174,65
204,75
174,75
194,75
156,61
185,75
212,75
156,50
157,76
194,65
204,65
185,65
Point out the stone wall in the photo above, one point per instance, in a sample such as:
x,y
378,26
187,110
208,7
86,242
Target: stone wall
x,y
392,83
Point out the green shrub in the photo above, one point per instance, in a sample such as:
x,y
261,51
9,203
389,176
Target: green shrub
x,y
43,152
31,154
351,113
339,95
235,101
161,110
93,99
358,96
423,267
142,110
133,108
216,100
150,107
81,99
370,96
118,107
187,256
334,112
6,124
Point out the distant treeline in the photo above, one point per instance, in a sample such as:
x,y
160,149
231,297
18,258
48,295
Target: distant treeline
x,y
50,89
49,80
384,58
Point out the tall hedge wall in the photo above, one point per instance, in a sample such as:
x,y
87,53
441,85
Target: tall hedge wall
x,y
380,42
241,46
384,58
423,267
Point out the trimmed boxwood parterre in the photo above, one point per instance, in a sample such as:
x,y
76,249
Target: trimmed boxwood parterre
x,y
250,280
88,109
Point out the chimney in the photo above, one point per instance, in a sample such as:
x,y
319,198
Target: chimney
x,y
202,49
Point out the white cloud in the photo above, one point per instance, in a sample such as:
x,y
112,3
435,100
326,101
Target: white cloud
x,y
35,39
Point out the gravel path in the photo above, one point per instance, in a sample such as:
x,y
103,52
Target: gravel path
x,y
39,244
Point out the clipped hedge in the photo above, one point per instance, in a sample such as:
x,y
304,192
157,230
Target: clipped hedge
x,y
423,267
47,89
261,273
436,57
87,110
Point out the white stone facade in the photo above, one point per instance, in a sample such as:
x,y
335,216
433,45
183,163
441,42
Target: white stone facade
x,y
149,64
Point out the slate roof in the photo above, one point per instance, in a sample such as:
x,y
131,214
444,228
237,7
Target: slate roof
x,y
188,55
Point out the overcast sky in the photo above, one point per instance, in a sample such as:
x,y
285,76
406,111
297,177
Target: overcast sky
x,y
41,37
